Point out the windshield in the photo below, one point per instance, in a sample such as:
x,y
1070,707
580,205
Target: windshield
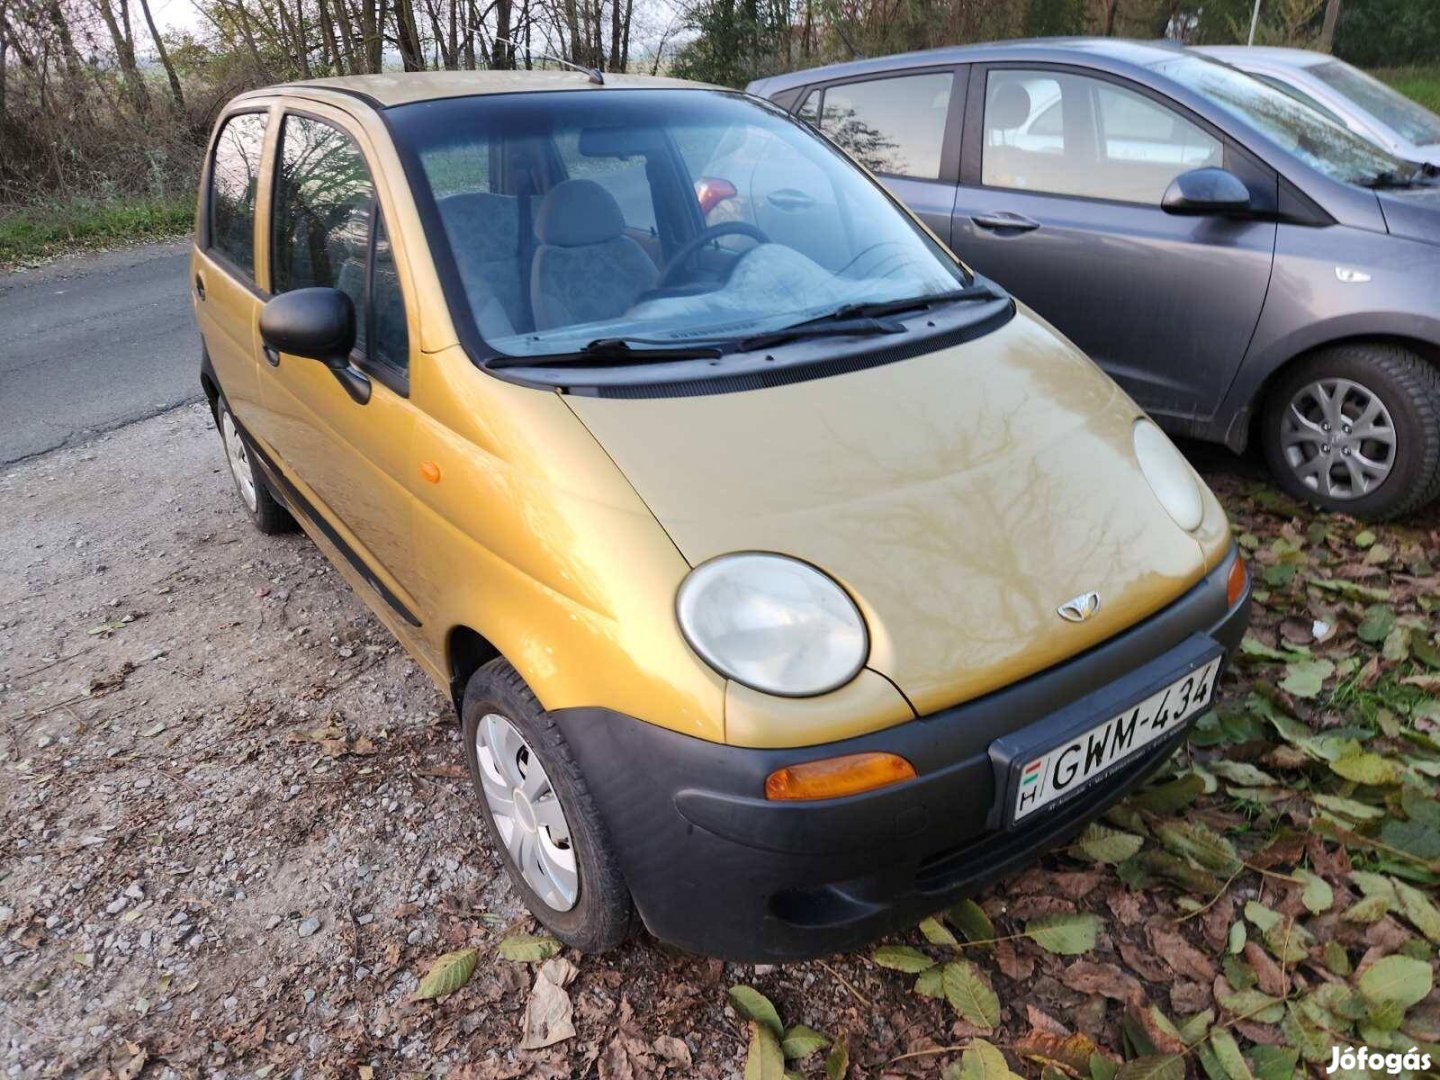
x,y
1408,119
1315,140
658,217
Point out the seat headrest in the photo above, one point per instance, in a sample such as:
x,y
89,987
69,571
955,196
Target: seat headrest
x,y
578,212
1009,108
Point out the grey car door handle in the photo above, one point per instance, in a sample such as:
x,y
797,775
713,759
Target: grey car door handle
x,y
1005,220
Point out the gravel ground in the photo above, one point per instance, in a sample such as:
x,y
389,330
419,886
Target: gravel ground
x,y
235,828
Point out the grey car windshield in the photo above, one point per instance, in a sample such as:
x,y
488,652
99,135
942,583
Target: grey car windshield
x,y
1408,119
1321,144
657,217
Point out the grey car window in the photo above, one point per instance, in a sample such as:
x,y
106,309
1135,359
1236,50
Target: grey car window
x,y
1329,148
892,126
1406,118
1068,134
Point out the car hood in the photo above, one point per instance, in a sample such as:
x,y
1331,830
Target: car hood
x,y
961,497
1413,213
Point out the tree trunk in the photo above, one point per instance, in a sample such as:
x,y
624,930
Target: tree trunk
x,y
175,91
124,43
1327,29
503,54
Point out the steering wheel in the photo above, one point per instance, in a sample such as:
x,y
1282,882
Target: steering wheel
x,y
689,250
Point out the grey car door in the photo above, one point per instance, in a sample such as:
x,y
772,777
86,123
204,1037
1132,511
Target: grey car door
x,y
903,127
1062,174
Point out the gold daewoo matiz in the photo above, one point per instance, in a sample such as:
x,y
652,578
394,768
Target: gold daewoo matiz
x,y
790,579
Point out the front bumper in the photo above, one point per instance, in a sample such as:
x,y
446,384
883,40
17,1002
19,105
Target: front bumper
x,y
716,868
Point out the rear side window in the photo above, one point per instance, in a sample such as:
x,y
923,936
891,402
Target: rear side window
x,y
234,178
892,126
323,201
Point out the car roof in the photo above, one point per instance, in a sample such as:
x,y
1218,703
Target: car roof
x,y
404,88
1272,54
1040,50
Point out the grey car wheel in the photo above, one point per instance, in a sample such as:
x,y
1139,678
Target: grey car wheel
x,y
1356,428
1338,438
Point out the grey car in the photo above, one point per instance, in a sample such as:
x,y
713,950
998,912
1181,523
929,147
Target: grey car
x,y
1243,266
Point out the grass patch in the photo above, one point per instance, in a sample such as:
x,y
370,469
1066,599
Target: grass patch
x,y
39,230
1420,83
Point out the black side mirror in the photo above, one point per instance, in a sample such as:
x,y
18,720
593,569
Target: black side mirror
x,y
1206,191
319,324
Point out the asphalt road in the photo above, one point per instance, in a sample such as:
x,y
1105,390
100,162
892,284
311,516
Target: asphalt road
x,y
93,342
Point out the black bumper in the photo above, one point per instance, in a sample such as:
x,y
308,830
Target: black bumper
x,y
716,868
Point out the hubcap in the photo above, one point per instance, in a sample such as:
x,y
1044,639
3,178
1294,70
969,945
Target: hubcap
x,y
527,812
1338,438
239,459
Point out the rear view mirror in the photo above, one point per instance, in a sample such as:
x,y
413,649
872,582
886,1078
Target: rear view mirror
x,y
319,324
1206,191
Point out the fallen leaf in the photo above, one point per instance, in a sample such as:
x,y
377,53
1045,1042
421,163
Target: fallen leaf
x,y
447,974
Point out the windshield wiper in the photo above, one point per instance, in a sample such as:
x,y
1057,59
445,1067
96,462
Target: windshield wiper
x,y
877,308
1391,179
617,350
821,327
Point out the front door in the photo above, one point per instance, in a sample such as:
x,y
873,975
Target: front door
x,y
351,460
1061,179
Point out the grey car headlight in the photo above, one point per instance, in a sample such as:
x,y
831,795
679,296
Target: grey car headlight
x,y
772,623
1169,476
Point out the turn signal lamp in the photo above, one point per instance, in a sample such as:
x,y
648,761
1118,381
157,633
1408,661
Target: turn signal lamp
x,y
1237,581
830,778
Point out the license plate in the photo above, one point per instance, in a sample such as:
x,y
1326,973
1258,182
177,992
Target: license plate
x,y
1065,769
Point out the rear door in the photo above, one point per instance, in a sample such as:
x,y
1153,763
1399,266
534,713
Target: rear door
x,y
350,460
223,264
1062,173
903,127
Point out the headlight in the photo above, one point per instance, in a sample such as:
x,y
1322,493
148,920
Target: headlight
x,y
772,623
1169,475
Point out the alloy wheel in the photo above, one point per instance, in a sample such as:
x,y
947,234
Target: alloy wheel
x,y
1338,438
239,458
527,812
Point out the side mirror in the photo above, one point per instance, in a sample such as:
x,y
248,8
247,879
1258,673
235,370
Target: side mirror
x,y
319,324
1206,191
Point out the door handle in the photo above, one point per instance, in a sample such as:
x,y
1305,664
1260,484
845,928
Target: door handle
x,y
789,199
200,286
1005,221
272,357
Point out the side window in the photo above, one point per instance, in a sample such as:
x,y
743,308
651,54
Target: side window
x,y
320,229
809,110
390,341
1068,134
234,179
894,126
624,177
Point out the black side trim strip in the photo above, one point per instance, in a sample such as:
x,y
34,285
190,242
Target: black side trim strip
x,y
297,503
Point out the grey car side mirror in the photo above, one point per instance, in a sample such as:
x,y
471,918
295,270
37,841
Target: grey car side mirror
x,y
1206,191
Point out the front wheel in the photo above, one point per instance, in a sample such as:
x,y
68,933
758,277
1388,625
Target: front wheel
x,y
1356,429
539,813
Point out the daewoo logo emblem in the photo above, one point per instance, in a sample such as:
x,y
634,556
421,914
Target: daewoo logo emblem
x,y
1080,608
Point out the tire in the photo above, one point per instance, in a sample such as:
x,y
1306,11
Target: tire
x,y
594,915
1331,466
255,496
